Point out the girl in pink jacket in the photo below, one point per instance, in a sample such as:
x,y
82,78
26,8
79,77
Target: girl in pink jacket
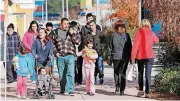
x,y
27,42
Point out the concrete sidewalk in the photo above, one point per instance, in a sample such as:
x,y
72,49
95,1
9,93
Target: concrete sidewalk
x,y
103,92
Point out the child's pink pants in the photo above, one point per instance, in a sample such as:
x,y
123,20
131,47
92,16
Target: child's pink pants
x,y
22,85
89,74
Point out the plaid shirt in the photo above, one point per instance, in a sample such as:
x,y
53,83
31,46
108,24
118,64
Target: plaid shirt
x,y
13,43
67,46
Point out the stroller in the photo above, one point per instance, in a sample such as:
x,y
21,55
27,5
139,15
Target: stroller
x,y
47,93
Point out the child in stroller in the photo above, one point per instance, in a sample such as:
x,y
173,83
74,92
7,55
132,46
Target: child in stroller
x,y
43,81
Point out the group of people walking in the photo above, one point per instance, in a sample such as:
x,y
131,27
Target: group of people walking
x,y
76,48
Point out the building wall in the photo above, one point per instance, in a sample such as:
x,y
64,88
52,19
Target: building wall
x,y
21,23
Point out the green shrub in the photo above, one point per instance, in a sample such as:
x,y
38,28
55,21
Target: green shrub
x,y
168,81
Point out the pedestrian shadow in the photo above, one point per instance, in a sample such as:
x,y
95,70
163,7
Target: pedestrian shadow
x,y
11,92
102,91
131,95
9,95
109,93
105,92
2,89
10,89
98,91
136,96
2,80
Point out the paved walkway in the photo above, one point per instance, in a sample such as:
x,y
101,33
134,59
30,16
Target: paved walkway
x,y
103,92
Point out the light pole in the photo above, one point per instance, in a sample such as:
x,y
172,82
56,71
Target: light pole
x,y
67,10
97,12
43,12
140,4
46,12
63,8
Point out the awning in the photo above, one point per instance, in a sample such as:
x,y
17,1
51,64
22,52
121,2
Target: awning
x,y
39,14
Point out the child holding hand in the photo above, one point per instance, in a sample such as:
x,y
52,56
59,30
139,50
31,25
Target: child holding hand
x,y
89,58
22,68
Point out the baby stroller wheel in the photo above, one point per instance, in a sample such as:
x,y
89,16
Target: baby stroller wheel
x,y
52,96
35,95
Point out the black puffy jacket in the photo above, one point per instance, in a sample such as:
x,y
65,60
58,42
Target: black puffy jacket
x,y
98,40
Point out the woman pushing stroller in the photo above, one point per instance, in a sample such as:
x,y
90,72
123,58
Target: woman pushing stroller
x,y
42,50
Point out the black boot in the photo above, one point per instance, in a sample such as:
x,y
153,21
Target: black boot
x,y
101,81
95,80
121,92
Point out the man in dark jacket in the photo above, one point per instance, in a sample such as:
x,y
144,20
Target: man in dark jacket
x,y
97,37
84,30
13,43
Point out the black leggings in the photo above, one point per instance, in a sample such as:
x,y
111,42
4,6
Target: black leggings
x,y
120,67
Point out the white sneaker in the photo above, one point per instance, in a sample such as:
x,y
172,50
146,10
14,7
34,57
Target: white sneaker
x,y
24,97
33,82
66,94
18,96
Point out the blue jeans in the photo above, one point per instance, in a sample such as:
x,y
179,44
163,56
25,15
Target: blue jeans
x,y
66,73
52,61
99,67
32,65
148,63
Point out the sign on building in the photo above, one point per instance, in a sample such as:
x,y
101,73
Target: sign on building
x,y
23,1
27,6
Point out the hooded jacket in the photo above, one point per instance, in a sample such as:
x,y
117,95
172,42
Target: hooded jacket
x,y
24,65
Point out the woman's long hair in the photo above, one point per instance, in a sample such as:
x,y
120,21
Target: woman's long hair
x,y
47,38
30,27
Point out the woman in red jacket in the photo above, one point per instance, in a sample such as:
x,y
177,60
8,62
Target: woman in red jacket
x,y
142,50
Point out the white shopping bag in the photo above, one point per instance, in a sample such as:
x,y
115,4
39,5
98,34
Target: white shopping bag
x,y
132,72
129,72
135,71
